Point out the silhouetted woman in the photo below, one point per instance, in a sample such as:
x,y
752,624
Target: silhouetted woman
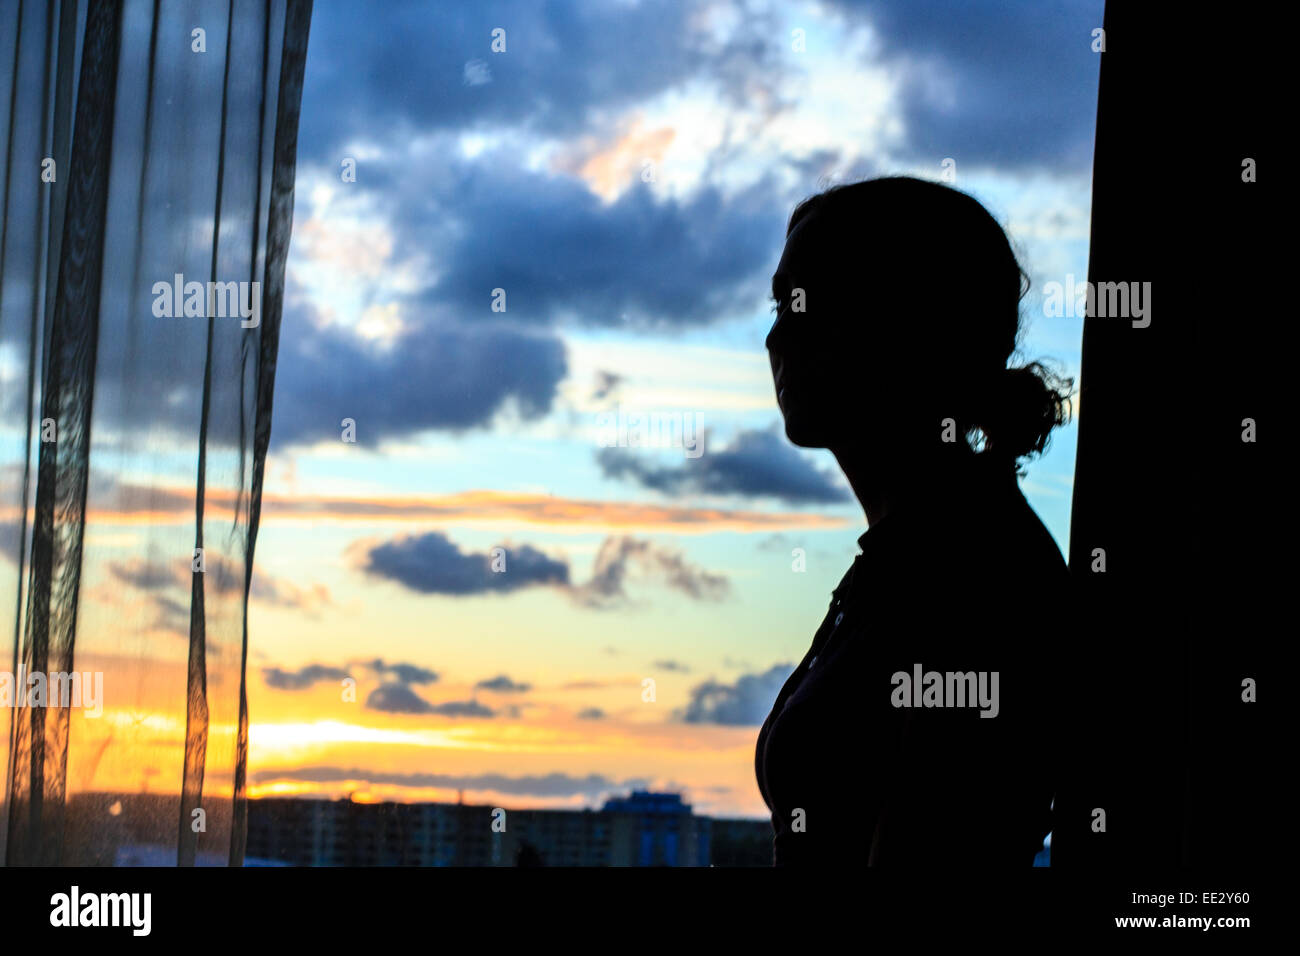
x,y
915,730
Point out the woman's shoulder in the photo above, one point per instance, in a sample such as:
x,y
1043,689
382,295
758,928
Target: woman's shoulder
x,y
1002,540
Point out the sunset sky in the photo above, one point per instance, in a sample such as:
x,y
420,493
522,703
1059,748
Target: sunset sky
x,y
623,171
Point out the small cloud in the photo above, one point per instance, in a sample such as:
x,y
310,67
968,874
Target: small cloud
x,y
502,684
758,464
591,713
9,540
400,699
743,704
278,592
618,556
302,678
402,673
397,699
775,542
463,708
606,384
599,683
432,564
151,575
476,73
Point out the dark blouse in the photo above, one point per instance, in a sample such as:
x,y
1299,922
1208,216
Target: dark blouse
x,y
971,585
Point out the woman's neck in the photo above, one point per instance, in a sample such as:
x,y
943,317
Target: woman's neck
x,y
888,482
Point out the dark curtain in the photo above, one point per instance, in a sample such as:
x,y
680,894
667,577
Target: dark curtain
x,y
147,146
1162,738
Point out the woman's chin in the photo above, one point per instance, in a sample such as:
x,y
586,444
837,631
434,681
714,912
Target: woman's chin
x,y
802,432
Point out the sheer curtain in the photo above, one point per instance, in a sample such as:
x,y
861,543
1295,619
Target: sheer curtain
x,y
147,146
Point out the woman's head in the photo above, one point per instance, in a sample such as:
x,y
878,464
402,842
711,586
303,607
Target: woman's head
x,y
898,305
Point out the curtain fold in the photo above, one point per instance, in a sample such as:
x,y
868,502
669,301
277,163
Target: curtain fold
x,y
147,201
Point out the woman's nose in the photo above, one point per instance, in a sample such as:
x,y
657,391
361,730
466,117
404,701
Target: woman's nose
x,y
778,335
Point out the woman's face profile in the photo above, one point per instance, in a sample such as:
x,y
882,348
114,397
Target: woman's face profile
x,y
815,362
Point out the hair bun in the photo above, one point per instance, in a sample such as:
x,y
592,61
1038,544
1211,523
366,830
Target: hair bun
x,y
1025,404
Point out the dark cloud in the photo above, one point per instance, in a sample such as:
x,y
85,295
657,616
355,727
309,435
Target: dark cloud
x,y
562,254
312,674
10,535
431,564
606,383
757,464
591,713
387,70
619,557
304,677
1012,83
152,575
775,542
466,708
440,375
168,583
400,699
743,704
402,673
397,699
547,785
172,614
168,586
502,684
